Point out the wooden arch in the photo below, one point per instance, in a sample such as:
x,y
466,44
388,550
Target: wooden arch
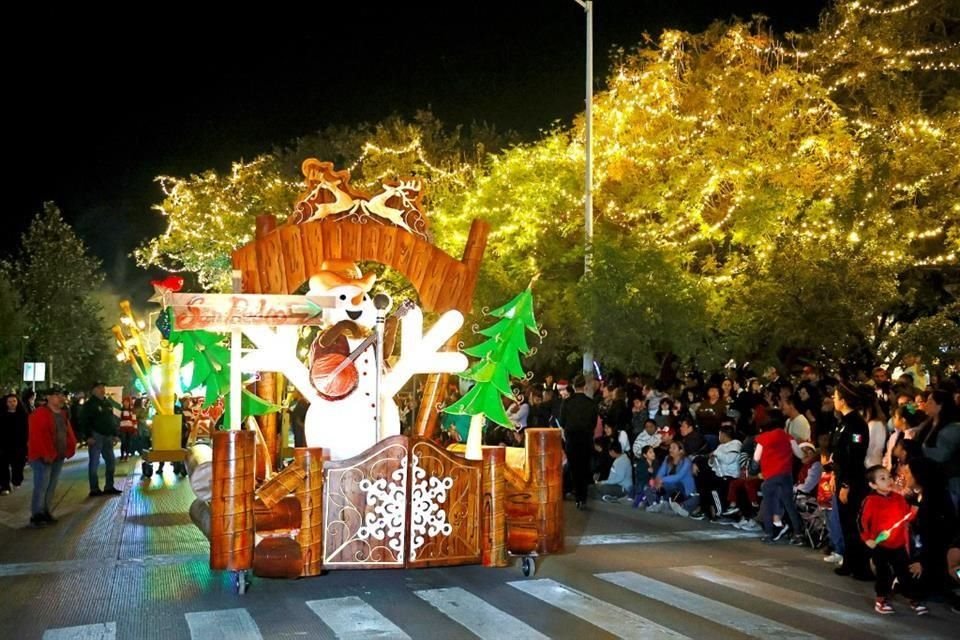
x,y
282,258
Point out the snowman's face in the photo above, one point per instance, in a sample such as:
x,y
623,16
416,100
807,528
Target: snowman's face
x,y
352,304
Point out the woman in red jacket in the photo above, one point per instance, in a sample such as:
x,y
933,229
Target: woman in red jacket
x,y
51,441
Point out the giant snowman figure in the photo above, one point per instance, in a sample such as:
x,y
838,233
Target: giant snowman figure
x,y
343,362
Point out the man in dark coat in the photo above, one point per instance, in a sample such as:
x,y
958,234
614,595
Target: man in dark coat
x,y
578,418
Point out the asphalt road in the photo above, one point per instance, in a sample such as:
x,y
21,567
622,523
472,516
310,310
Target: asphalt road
x,y
133,567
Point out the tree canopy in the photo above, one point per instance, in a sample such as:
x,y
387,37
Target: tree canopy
x,y
755,196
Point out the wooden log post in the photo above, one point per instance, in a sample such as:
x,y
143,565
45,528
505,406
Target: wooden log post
x,y
545,464
281,485
269,424
285,514
231,503
267,384
310,495
493,491
428,418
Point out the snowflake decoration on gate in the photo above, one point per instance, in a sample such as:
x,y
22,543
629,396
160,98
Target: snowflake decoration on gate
x,y
388,500
426,516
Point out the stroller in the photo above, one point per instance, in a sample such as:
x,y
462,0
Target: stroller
x,y
814,518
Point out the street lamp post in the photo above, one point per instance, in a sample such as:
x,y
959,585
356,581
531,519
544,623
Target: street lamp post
x,y
588,186
23,341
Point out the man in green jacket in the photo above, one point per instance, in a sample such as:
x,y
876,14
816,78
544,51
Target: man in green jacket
x,y
100,428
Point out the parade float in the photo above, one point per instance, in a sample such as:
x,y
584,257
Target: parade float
x,y
361,495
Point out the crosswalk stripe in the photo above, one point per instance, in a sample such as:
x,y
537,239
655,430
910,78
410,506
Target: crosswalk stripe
x,y
228,624
352,619
619,622
103,631
807,574
696,535
800,601
482,619
717,612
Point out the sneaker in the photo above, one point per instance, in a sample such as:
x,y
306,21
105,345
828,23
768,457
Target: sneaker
x,y
731,511
37,522
112,491
698,515
798,541
609,499
883,607
833,558
749,525
46,517
919,608
5,492
778,534
678,509
95,492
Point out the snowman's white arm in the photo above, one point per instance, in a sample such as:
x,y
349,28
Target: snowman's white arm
x,y
422,353
277,351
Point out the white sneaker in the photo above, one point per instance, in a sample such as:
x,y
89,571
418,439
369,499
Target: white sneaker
x,y
833,558
678,509
749,525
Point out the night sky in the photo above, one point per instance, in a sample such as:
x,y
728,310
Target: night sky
x,y
103,103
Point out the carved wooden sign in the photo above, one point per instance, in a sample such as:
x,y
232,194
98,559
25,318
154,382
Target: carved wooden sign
x,y
227,311
330,195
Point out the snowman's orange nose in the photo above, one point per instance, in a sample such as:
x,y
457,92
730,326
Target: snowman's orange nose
x,y
357,300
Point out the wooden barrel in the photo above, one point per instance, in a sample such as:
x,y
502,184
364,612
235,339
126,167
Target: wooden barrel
x,y
310,495
493,491
200,469
231,502
545,464
281,485
277,558
282,515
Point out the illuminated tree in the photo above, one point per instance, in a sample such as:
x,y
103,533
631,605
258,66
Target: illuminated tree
x,y
12,342
730,167
209,215
59,280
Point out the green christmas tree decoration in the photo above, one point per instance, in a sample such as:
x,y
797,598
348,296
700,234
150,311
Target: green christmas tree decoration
x,y
498,360
250,405
210,359
211,370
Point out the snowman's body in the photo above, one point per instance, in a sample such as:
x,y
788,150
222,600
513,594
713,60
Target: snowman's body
x,y
347,426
